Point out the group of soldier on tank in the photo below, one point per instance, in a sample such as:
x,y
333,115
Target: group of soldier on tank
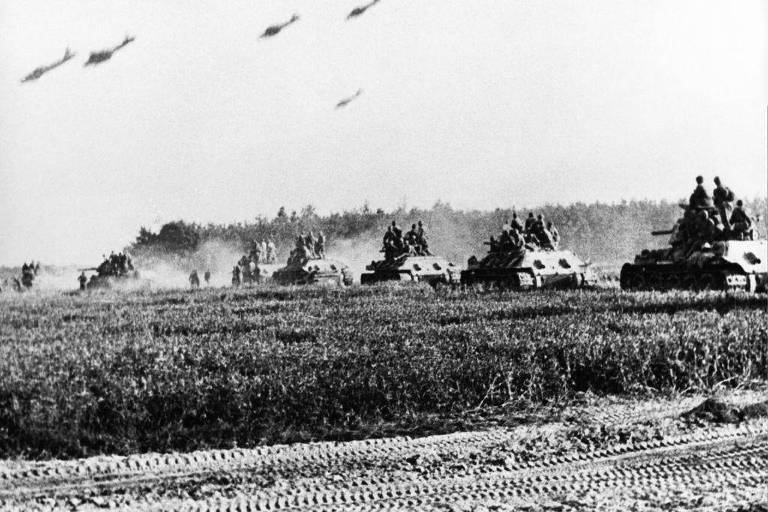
x,y
262,251
115,265
412,243
28,273
308,247
708,219
534,233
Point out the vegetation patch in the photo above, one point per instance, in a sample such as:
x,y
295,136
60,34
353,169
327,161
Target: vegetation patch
x,y
159,371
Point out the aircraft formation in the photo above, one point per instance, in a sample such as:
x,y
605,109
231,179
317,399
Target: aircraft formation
x,y
93,59
101,56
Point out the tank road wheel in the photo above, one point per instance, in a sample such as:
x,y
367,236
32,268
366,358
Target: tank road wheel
x,y
577,281
626,277
672,281
707,281
633,281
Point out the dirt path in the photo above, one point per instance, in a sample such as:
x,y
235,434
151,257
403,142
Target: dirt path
x,y
602,454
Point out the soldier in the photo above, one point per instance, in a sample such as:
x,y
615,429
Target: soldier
x,y
493,244
412,236
194,280
515,224
83,280
207,277
396,230
271,251
722,197
740,222
422,240
517,241
530,222
301,249
555,234
505,241
310,243
700,197
389,243
235,276
256,254
543,234
320,245
263,247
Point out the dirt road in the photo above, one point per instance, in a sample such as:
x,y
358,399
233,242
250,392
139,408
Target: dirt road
x,y
600,454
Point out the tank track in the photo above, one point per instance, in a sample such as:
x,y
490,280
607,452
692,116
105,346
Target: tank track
x,y
736,456
679,277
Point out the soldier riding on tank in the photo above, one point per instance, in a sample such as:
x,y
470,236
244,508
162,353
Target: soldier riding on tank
x,y
707,249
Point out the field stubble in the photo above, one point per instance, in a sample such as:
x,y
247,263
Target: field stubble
x,y
177,371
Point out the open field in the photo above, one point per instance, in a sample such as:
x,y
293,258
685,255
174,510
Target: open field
x,y
122,373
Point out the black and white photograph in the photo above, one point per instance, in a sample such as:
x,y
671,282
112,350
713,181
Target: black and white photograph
x,y
384,255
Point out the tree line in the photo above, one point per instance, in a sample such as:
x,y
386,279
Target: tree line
x,y
607,234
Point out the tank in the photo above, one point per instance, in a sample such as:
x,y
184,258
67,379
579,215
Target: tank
x,y
725,260
258,265
113,270
430,269
27,279
527,267
107,280
313,270
253,272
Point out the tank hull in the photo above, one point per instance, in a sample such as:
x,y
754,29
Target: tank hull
x,y
529,269
263,272
426,269
105,282
314,271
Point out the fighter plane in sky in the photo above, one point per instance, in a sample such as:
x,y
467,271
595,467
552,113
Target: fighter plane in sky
x,y
38,72
103,55
275,29
357,11
346,101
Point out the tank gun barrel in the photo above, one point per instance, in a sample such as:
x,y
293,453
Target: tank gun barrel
x,y
88,269
662,232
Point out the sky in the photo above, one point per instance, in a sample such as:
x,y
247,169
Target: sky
x,y
480,104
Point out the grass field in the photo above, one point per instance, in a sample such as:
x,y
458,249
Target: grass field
x,y
130,372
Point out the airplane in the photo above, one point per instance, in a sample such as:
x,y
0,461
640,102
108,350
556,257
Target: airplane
x,y
103,55
346,101
275,29
38,72
357,11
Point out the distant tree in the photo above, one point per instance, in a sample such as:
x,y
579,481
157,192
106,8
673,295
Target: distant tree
x,y
178,237
146,237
